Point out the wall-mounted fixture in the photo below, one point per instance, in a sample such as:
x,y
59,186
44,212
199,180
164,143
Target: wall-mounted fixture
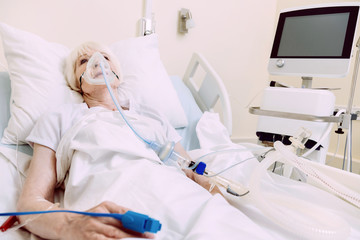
x,y
147,26
185,20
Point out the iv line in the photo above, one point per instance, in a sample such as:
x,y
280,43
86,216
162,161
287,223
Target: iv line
x,y
167,151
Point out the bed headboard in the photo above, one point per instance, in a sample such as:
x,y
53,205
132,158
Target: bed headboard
x,y
210,91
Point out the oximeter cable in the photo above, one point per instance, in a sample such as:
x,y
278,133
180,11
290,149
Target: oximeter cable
x,y
130,220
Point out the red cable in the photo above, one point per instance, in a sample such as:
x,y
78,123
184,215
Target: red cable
x,y
8,223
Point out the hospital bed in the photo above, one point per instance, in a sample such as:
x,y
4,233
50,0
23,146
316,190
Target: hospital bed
x,y
203,133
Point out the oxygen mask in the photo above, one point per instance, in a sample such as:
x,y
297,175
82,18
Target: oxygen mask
x,y
93,73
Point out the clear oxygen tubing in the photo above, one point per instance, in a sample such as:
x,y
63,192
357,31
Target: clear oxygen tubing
x,y
170,157
324,136
330,184
238,150
165,152
184,163
231,187
118,107
312,222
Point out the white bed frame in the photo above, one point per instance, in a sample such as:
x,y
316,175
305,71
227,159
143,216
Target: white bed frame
x,y
207,94
211,89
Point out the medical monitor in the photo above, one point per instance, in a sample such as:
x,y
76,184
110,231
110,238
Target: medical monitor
x,y
314,41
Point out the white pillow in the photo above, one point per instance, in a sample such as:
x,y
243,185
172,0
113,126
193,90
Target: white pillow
x,y
145,73
37,81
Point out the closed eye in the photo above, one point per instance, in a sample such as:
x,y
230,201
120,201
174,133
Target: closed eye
x,y
82,61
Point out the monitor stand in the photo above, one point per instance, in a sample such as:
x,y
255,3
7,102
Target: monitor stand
x,y
306,82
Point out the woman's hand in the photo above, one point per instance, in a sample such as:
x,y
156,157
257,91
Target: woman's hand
x,y
202,181
86,227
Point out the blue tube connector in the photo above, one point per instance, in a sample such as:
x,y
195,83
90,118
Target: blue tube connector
x,y
200,168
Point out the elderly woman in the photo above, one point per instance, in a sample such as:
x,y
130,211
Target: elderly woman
x,y
69,151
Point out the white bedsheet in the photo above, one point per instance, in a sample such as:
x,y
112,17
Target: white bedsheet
x,y
186,210
213,137
127,172
11,183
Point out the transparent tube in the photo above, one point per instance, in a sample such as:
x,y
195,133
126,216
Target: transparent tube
x,y
211,174
166,152
313,222
168,156
238,150
171,158
324,136
331,185
182,162
231,187
118,107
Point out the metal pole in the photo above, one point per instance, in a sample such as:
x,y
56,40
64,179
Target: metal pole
x,y
347,116
354,78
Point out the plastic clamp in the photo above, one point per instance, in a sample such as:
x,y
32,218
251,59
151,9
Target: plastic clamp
x,y
200,168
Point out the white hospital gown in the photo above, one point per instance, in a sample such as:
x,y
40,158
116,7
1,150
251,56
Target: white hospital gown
x,y
100,159
52,126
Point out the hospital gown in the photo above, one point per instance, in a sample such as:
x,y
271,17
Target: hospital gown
x,y
99,158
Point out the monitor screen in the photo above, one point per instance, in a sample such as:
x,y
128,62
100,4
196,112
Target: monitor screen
x,y
314,41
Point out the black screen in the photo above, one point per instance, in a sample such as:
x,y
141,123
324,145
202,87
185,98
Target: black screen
x,y
315,33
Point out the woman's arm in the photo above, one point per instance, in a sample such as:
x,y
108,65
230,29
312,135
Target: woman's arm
x,y
38,195
201,180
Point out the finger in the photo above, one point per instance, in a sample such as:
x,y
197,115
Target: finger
x,y
110,221
102,237
109,207
113,232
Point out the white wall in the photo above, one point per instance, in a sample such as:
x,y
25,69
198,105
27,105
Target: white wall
x,y
234,35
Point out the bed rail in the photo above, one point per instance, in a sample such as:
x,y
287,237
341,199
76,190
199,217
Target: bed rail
x,y
210,90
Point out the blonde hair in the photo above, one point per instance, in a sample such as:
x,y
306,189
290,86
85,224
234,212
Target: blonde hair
x,y
70,62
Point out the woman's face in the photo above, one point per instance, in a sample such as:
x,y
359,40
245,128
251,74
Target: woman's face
x,y
81,63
